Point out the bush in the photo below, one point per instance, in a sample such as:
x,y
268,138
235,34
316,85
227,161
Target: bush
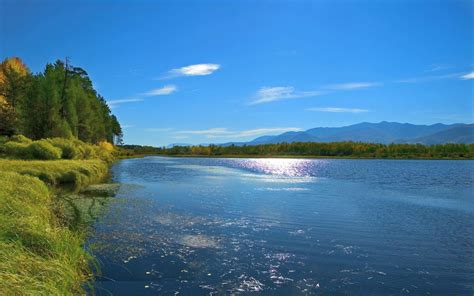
x,y
21,147
44,150
16,149
73,172
20,139
70,150
106,146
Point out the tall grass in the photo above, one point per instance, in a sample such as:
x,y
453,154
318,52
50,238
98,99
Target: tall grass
x,y
77,173
20,147
40,254
37,255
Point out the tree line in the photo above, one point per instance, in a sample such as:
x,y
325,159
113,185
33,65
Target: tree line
x,y
58,102
317,149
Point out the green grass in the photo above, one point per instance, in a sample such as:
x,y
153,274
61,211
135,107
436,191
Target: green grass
x,y
78,173
20,147
42,232
38,255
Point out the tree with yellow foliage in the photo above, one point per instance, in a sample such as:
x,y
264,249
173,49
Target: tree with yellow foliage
x,y
13,81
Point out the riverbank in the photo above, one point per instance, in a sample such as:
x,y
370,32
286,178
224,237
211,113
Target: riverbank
x,y
304,157
336,150
41,251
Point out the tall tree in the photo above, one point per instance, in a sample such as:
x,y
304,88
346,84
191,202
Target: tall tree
x,y
14,76
60,102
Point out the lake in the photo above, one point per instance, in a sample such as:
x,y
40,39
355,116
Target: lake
x,y
211,226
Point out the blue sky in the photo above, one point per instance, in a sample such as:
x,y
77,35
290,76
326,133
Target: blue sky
x,y
219,71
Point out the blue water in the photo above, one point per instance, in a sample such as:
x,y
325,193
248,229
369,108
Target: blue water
x,y
196,226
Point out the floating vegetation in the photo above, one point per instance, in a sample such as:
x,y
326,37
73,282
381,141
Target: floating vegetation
x,y
199,241
80,210
104,190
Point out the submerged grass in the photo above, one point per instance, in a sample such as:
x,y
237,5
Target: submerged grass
x,y
38,256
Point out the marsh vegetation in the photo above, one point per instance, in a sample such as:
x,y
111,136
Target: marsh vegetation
x,y
44,214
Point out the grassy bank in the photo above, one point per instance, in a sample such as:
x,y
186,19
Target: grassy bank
x,y
78,173
40,253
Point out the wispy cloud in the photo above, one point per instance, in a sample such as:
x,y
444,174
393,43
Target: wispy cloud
x,y
468,76
429,78
126,126
158,129
279,93
191,70
352,85
221,132
218,131
114,103
338,110
165,90
436,68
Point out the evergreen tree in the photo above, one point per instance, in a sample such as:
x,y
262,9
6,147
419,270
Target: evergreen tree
x,y
60,102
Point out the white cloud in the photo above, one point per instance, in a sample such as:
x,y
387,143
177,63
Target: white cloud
x,y
338,110
165,90
435,68
192,70
158,129
221,132
351,85
429,78
117,102
218,131
279,93
468,76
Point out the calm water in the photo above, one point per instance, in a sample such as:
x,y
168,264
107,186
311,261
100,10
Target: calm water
x,y
192,226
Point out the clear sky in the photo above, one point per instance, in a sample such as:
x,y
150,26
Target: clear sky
x,y
219,71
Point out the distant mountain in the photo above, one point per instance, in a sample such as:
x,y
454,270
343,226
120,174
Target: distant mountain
x,y
456,134
383,132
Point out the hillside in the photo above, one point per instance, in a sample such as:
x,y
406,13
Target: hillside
x,y
383,132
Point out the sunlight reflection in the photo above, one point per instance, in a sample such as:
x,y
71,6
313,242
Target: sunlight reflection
x,y
282,166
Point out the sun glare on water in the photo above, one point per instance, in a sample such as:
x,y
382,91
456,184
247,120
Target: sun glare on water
x,y
282,166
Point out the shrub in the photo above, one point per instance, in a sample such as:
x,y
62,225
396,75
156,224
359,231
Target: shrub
x,y
44,150
20,139
68,148
106,146
21,147
46,177
89,152
74,172
16,149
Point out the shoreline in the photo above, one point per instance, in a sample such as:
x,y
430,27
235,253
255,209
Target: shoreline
x,y
289,157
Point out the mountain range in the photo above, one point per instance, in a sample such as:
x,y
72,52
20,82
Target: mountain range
x,y
383,132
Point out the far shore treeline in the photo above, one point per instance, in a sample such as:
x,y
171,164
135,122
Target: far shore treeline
x,y
58,102
313,149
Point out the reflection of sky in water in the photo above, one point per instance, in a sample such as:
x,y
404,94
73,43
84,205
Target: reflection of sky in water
x,y
288,227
